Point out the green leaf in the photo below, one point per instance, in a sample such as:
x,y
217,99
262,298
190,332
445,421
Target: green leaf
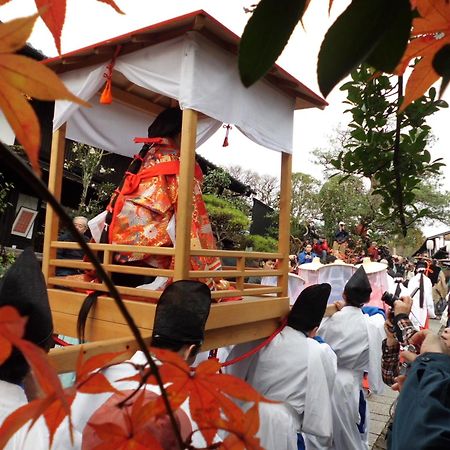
x,y
391,47
353,37
358,134
265,36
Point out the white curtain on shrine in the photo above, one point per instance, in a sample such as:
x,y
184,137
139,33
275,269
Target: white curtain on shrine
x,y
199,74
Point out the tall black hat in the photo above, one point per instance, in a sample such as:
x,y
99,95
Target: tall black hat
x,y
23,286
358,287
395,275
421,265
309,308
182,311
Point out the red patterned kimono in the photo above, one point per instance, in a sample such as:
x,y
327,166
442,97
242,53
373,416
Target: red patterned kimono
x,y
145,211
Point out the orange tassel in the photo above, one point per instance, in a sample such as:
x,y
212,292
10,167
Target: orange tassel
x,y
106,97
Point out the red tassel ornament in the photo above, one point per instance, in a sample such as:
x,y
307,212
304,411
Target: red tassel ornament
x,y
106,97
225,141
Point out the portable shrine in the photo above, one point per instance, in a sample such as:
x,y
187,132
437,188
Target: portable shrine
x,y
336,274
309,272
190,60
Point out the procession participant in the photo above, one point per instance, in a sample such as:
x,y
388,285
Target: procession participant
x,y
420,290
180,319
395,284
356,339
439,290
398,265
293,368
23,287
143,209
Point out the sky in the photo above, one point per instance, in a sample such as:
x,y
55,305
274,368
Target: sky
x,y
90,21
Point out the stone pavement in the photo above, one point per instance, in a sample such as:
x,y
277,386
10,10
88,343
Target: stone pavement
x,y
381,408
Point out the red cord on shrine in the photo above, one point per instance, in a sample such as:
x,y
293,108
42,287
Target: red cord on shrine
x,y
148,140
106,97
228,128
60,342
258,347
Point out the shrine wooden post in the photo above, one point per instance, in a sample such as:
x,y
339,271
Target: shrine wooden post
x,y
55,177
184,205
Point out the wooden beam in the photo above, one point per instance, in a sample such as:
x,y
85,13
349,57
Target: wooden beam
x,y
65,359
199,23
185,188
284,229
135,101
55,178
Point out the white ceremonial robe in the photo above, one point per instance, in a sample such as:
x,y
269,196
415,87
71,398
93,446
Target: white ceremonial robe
x,y
392,287
295,370
85,405
13,397
419,315
356,339
330,363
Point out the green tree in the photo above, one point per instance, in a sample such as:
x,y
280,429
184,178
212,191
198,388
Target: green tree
x,y
87,161
227,221
343,199
305,203
262,243
431,199
406,245
387,147
5,188
217,182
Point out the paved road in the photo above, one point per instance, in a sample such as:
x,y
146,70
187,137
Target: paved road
x,y
381,407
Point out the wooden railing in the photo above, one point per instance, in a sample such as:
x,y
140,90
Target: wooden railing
x,y
238,272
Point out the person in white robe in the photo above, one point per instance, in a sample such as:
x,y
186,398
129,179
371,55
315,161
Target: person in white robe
x,y
356,339
420,289
180,319
23,287
296,370
395,284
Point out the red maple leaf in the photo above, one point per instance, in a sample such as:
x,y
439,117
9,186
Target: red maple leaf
x,y
208,391
53,13
12,327
431,31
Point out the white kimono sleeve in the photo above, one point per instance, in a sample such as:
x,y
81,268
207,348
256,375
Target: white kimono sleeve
x,y
317,418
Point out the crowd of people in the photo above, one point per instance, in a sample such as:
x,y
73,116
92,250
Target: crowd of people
x,y
313,367
345,246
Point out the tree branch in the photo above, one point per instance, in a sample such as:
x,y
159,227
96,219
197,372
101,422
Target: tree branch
x,y
396,162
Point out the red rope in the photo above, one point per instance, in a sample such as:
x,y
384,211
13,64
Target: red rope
x,y
148,140
258,347
59,341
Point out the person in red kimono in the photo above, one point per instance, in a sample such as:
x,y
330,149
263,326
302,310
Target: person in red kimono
x,y
143,209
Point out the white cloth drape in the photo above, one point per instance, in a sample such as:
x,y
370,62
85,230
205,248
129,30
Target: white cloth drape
x,y
191,69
